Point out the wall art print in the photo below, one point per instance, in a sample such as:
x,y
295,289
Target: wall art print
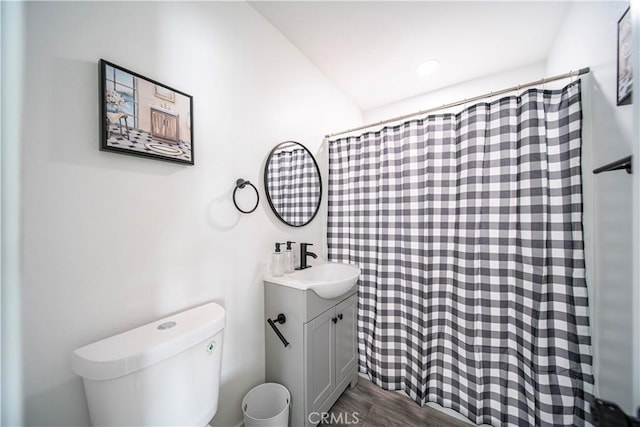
x,y
142,117
625,72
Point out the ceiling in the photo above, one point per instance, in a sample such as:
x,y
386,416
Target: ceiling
x,y
371,50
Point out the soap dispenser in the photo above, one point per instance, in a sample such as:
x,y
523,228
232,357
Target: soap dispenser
x,y
289,259
277,262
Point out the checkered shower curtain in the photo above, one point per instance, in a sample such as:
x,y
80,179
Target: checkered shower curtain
x,y
468,232
292,180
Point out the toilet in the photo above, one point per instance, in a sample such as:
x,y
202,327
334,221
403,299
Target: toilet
x,y
165,373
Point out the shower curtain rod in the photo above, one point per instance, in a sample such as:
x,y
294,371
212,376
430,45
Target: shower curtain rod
x,y
465,101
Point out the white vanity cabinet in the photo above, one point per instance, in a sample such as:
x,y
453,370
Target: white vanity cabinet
x,y
321,359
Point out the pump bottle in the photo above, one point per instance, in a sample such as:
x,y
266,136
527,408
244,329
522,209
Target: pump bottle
x,y
277,262
289,259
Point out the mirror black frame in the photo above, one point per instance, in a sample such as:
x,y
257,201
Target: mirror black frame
x,y
266,189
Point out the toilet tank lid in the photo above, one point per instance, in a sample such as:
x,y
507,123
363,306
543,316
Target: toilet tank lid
x,y
147,345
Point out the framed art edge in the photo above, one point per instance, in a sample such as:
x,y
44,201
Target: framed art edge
x,y
103,146
627,99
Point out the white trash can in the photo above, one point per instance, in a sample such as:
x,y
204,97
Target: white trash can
x,y
266,405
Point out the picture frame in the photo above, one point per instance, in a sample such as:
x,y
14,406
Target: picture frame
x,y
624,69
142,117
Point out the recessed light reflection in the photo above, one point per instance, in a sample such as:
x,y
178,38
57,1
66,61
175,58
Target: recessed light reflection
x,y
428,67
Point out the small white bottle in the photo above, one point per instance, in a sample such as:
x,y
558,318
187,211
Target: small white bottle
x,y
277,262
289,259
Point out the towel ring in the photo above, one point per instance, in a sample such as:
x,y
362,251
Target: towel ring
x,y
241,183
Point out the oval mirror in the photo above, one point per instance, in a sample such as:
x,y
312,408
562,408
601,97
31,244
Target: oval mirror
x,y
292,183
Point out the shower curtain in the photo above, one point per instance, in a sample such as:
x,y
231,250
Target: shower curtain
x,y
468,230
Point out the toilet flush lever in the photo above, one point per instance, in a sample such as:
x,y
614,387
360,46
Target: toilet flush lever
x,y
280,319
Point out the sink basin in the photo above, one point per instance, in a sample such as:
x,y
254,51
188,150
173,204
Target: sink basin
x,y
328,280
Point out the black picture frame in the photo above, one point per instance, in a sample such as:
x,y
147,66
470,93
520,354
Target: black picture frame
x,y
624,75
142,117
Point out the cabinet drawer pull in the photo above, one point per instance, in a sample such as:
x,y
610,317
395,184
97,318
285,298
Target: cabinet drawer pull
x,y
334,320
340,316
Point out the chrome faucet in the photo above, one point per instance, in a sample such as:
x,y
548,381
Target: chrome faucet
x,y
304,253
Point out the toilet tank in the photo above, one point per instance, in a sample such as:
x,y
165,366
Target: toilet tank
x,y
165,373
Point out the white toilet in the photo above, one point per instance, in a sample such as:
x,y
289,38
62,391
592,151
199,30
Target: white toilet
x,y
165,373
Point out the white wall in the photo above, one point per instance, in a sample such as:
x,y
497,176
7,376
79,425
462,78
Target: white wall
x,y
587,39
464,90
11,18
635,57
113,241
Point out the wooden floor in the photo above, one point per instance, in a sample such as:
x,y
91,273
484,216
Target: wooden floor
x,y
377,407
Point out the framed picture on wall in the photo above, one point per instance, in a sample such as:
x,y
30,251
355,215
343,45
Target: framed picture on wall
x,y
625,72
142,117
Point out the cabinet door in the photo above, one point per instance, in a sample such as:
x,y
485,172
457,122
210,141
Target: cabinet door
x,y
157,123
171,127
320,341
164,125
346,338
